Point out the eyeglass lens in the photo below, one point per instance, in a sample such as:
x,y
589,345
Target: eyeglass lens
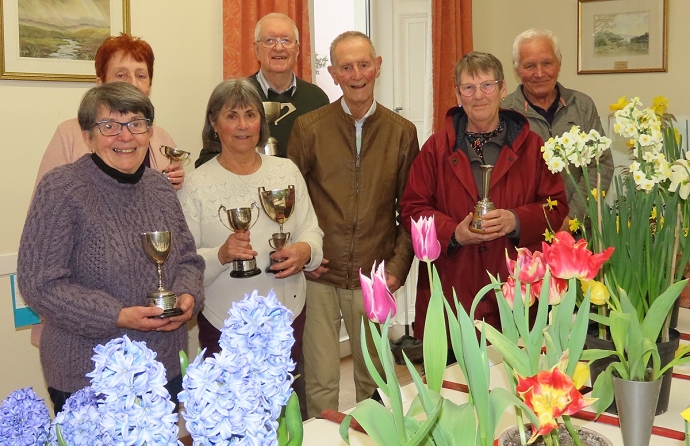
x,y
270,42
113,128
487,87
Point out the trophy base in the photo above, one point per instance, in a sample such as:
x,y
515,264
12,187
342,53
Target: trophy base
x,y
164,300
273,262
244,268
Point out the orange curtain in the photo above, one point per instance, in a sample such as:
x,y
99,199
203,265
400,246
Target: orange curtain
x,y
239,21
451,38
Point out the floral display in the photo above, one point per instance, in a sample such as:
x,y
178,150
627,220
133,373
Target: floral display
x,y
379,303
551,394
134,405
236,397
24,419
79,421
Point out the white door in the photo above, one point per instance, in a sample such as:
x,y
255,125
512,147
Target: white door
x,y
401,33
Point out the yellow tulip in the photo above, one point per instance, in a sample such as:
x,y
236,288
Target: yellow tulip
x,y
686,414
598,293
581,374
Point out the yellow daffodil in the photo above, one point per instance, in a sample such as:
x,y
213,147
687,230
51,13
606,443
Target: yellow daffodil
x,y
551,203
686,414
659,105
653,216
677,134
620,105
574,224
686,231
598,293
548,235
595,193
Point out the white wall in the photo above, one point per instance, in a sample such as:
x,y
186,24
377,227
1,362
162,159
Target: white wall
x,y
186,38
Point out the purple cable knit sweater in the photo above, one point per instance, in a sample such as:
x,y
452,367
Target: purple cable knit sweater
x,y
81,261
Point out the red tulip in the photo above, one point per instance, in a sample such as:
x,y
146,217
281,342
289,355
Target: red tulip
x,y
530,267
557,289
424,240
568,259
379,302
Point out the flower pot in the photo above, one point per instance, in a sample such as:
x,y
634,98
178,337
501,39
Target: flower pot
x,y
511,437
637,402
667,351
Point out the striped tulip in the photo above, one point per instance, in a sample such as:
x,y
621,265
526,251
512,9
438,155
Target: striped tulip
x,y
424,240
379,302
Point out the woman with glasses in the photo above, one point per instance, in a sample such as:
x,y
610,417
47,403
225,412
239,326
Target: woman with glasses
x,y
446,182
81,264
120,58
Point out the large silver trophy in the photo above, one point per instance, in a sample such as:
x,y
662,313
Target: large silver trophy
x,y
157,247
173,153
272,111
484,205
240,220
278,204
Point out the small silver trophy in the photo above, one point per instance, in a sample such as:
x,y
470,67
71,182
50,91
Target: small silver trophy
x,y
484,205
240,220
173,153
278,204
272,112
157,247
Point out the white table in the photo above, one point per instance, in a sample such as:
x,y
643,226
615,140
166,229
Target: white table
x,y
324,432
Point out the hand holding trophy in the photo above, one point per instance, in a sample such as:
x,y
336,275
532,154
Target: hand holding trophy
x,y
484,205
240,220
157,247
278,204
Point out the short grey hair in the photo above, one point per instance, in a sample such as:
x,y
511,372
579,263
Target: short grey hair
x,y
476,62
350,35
238,92
118,97
535,34
274,15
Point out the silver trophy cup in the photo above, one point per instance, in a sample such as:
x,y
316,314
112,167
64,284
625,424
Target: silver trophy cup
x,y
240,220
272,111
484,205
173,153
278,204
157,248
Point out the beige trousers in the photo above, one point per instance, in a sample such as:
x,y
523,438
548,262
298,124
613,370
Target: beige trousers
x,y
321,346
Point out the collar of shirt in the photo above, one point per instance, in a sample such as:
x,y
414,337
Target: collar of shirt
x,y
265,86
359,123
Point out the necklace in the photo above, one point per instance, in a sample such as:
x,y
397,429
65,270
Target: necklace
x,y
246,179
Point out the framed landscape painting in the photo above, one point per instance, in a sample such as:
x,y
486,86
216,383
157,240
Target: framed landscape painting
x,y
56,40
621,36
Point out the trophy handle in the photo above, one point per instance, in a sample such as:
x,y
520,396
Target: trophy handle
x,y
225,211
258,211
287,238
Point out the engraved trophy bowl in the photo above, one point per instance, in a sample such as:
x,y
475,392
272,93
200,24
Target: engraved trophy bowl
x,y
157,248
279,205
240,220
173,153
272,112
484,205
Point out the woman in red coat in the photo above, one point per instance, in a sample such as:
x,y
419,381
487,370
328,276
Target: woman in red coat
x,y
446,181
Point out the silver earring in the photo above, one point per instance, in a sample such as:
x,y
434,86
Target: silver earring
x,y
216,134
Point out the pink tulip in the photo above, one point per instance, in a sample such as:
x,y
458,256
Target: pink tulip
x,y
557,289
530,267
568,259
508,290
379,302
424,241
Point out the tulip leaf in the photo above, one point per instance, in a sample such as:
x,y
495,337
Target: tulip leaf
x,y
506,314
501,399
512,354
603,390
421,434
435,345
376,420
660,309
578,335
367,359
459,424
454,331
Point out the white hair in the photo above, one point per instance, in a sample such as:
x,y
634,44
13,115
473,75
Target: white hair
x,y
274,15
534,34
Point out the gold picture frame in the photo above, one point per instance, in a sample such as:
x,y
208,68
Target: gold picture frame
x,y
622,36
61,28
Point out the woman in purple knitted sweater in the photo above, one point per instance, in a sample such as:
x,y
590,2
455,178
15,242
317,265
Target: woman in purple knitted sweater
x,y
81,265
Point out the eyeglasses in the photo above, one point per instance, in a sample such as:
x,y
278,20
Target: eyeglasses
x,y
114,128
487,87
271,42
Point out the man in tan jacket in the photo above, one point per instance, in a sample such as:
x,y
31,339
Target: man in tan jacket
x,y
355,156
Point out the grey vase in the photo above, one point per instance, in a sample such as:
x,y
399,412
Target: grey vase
x,y
636,406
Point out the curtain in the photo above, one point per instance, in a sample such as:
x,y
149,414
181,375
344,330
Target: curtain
x,y
451,37
239,21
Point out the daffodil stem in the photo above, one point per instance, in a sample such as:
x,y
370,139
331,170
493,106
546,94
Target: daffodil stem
x,y
571,430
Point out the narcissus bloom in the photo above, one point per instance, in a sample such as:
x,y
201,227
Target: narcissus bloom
x,y
568,259
378,300
424,241
550,394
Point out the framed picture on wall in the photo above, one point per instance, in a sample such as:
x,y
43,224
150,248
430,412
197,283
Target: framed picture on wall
x,y
621,36
56,40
